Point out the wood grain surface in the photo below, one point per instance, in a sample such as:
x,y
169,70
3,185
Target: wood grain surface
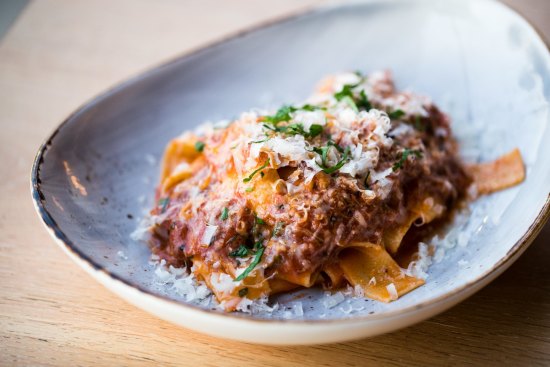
x,y
60,53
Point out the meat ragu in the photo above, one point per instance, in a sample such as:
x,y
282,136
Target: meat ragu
x,y
321,193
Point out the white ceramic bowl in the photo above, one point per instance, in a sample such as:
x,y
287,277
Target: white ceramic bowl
x,y
480,61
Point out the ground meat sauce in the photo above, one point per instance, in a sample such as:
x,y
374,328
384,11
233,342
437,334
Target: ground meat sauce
x,y
303,231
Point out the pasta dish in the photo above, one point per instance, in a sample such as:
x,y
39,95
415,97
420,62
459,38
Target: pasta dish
x,y
332,192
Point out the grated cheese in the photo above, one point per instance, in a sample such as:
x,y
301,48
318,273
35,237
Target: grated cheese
x,y
392,291
308,118
208,234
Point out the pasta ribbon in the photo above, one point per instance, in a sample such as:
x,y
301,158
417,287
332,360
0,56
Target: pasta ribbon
x,y
374,270
505,171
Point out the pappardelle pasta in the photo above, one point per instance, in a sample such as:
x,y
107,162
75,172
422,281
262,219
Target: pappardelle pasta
x,y
329,192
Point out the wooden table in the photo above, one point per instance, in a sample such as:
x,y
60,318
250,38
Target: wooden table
x,y
59,54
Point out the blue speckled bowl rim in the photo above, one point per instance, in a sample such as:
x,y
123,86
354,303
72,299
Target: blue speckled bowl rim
x,y
39,198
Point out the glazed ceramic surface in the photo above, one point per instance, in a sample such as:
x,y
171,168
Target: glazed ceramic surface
x,y
478,60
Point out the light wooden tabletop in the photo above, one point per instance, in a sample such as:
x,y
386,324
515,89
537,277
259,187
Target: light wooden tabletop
x,y
60,53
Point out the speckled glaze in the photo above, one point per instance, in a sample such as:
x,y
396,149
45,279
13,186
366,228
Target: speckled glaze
x,y
92,178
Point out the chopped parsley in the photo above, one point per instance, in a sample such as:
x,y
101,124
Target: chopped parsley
x,y
404,155
350,102
247,179
242,251
323,151
315,130
259,251
297,129
345,92
397,114
328,170
225,214
346,95
163,203
418,123
260,141
243,292
282,114
199,146
363,101
309,107
366,180
259,220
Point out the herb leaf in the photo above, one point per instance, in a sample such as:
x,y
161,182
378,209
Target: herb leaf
x,y
337,166
297,129
366,180
242,251
309,107
259,220
345,92
282,114
163,203
315,130
346,95
397,114
257,258
404,155
199,146
418,123
247,179
260,141
350,102
243,292
363,101
225,214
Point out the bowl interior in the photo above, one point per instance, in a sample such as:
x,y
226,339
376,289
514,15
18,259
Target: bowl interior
x,y
491,73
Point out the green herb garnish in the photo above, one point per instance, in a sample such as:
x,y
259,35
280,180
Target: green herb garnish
x,y
404,155
315,130
242,251
243,292
363,101
323,152
346,95
249,189
366,180
163,203
397,114
418,123
260,141
247,179
259,220
345,92
297,129
309,107
350,102
199,146
282,114
225,214
257,258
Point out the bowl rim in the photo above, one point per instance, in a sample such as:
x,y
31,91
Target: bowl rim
x,y
92,267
